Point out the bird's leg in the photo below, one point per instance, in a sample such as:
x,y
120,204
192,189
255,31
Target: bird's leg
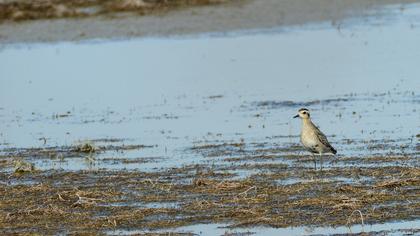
x,y
320,159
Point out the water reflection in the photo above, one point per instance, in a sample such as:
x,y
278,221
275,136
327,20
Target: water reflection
x,y
174,92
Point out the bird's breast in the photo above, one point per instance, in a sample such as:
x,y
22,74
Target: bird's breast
x,y
308,139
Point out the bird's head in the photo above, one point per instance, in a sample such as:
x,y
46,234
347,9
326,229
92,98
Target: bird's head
x,y
303,113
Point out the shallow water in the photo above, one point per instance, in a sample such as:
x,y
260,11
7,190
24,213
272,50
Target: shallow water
x,y
360,80
219,229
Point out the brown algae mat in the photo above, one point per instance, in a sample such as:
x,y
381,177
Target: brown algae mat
x,y
21,10
277,195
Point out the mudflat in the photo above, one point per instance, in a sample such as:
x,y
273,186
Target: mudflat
x,y
177,119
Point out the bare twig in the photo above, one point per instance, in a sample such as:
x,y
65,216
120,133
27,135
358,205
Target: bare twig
x,y
85,201
361,217
60,198
246,191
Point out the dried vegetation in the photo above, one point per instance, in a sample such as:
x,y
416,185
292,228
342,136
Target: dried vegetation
x,y
20,10
280,189
88,201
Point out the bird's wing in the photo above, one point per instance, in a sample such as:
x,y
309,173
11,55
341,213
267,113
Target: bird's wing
x,y
322,138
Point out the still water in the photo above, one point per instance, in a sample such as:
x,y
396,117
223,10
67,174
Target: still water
x,y
360,79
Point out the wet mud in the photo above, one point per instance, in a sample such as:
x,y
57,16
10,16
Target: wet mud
x,y
281,189
75,20
21,10
206,143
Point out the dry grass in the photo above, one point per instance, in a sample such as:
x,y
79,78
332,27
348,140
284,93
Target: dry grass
x,y
20,10
86,148
278,194
105,200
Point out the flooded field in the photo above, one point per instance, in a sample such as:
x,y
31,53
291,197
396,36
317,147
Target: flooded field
x,y
194,134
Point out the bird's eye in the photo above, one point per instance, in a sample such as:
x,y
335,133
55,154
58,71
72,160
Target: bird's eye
x,y
304,112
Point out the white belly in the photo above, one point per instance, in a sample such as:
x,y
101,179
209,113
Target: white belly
x,y
309,140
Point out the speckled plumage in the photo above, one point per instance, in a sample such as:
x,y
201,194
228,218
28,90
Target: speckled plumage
x,y
311,137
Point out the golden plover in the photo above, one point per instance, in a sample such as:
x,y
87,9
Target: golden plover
x,y
312,138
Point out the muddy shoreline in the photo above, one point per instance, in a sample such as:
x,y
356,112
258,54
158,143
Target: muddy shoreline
x,y
242,183
195,135
273,194
182,19
101,200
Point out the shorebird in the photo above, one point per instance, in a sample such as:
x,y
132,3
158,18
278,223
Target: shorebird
x,y
312,138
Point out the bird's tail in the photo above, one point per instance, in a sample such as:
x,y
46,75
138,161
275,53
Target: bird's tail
x,y
333,151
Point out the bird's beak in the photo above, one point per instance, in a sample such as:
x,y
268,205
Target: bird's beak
x,y
296,116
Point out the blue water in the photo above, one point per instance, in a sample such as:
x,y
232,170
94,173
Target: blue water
x,y
220,229
158,91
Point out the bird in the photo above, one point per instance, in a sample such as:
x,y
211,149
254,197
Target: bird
x,y
312,138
